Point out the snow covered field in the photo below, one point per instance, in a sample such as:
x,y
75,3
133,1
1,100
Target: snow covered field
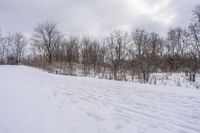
x,y
33,101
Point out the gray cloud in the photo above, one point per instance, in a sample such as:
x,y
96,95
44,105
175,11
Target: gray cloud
x,y
94,17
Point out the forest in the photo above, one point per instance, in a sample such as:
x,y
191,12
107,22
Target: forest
x,y
119,56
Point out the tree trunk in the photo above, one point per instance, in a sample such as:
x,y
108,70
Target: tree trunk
x,y
50,58
193,77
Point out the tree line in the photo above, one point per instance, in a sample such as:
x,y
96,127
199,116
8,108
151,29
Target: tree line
x,y
121,54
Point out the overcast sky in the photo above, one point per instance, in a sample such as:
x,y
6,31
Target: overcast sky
x,y
96,17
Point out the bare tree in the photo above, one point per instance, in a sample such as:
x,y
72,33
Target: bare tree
x,y
155,46
117,44
195,35
196,13
72,51
102,63
194,30
18,46
2,49
94,54
85,58
140,39
9,42
177,44
47,38
13,47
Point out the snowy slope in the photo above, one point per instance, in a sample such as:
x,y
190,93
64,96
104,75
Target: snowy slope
x,y
33,101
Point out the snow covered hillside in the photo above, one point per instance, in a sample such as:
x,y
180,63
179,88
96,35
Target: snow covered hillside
x,y
33,101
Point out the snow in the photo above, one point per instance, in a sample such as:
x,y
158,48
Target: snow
x,y
33,101
174,79
180,79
